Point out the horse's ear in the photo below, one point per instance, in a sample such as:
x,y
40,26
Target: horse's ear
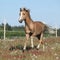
x,y
20,9
24,8
28,10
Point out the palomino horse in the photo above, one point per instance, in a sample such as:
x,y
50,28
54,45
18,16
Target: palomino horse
x,y
32,28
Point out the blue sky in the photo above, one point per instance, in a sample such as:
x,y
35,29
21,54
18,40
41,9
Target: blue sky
x,y
47,11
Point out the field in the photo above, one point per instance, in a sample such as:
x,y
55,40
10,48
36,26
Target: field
x,y
11,49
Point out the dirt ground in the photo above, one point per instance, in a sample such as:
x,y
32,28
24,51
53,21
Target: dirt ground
x,y
12,49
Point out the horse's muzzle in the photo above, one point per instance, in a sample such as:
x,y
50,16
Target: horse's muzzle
x,y
20,21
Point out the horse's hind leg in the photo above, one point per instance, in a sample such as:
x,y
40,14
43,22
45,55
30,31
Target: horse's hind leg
x,y
32,42
40,40
27,37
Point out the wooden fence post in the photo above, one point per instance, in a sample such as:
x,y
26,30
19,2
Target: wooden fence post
x,y
4,28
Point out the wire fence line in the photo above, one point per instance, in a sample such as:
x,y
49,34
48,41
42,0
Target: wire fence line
x,y
14,34
11,34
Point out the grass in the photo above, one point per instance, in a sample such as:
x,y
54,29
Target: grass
x,y
12,50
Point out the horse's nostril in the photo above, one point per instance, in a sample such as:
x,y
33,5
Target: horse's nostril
x,y
20,21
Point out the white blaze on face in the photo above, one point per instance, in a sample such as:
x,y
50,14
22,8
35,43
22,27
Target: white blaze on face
x,y
20,17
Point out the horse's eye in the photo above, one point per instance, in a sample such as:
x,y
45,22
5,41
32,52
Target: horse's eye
x,y
23,14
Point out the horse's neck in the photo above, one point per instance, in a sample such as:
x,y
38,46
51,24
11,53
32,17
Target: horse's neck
x,y
28,22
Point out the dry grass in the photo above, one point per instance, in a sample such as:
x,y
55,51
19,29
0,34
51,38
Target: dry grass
x,y
12,50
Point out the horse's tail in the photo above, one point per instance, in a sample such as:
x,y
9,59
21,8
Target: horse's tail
x,y
46,29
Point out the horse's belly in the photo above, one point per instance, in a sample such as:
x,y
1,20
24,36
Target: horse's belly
x,y
37,32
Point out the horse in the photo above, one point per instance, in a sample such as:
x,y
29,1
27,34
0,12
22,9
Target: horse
x,y
32,28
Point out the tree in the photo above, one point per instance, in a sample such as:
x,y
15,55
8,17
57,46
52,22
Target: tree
x,y
2,26
8,27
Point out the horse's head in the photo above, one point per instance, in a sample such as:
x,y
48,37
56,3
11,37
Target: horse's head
x,y
23,14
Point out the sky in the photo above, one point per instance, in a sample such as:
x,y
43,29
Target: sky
x,y
47,11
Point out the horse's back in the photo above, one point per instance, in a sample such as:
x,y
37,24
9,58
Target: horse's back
x,y
39,26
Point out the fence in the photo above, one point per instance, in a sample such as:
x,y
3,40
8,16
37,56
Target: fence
x,y
11,34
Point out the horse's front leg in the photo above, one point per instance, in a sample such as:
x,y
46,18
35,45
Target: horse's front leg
x,y
32,42
40,40
27,37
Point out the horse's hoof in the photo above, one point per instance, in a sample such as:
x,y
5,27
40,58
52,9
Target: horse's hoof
x,y
37,48
23,50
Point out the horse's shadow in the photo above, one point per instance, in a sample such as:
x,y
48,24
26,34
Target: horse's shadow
x,y
20,47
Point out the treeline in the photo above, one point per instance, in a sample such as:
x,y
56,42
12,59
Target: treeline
x,y
11,28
